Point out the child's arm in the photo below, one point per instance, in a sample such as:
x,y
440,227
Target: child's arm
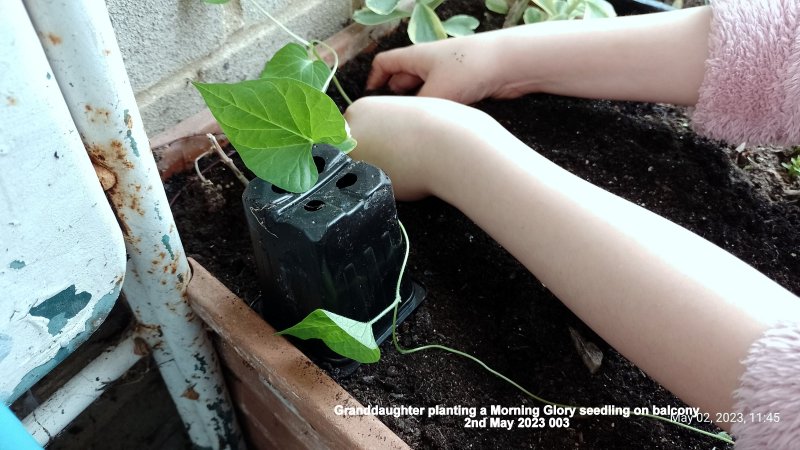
x,y
679,307
653,57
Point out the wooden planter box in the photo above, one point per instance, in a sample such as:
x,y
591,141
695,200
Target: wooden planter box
x,y
283,400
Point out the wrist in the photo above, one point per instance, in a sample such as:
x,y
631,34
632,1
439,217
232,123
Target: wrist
x,y
519,64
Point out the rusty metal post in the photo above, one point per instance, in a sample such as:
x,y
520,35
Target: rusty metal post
x,y
80,44
62,256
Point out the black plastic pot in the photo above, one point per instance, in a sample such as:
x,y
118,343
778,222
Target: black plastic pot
x,y
338,247
628,7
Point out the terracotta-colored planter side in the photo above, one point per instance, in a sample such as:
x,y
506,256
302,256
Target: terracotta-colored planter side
x,y
284,400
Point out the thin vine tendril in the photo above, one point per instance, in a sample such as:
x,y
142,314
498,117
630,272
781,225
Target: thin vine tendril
x,y
406,351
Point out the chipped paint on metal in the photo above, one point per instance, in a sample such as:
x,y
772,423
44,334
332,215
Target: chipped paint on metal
x,y
165,241
227,430
201,363
77,245
53,38
132,142
61,307
126,115
190,393
37,373
128,121
140,347
95,114
63,348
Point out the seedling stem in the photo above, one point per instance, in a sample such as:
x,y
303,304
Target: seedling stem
x,y
226,160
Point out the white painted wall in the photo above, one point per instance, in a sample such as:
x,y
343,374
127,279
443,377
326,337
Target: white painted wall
x,y
168,43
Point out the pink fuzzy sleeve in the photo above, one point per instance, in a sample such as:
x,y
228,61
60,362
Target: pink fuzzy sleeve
x,y
768,396
751,89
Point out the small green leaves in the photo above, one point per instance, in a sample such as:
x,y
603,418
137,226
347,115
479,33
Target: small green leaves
x,y
382,7
347,337
793,166
292,61
534,15
460,25
545,10
273,123
425,25
216,2
367,17
497,6
377,12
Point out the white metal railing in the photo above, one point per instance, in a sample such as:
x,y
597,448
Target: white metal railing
x,y
97,113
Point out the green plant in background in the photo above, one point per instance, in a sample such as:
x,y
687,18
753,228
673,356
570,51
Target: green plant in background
x,y
532,11
423,25
793,166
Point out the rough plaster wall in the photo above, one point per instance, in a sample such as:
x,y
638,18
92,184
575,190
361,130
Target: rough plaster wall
x,y
166,44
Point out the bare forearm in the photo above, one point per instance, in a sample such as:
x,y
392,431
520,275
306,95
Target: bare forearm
x,y
679,307
654,57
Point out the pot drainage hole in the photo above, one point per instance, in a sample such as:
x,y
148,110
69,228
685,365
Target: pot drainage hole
x,y
314,205
320,163
347,180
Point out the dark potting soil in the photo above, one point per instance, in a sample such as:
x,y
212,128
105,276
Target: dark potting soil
x,y
482,301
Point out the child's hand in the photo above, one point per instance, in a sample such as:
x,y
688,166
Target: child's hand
x,y
414,140
465,70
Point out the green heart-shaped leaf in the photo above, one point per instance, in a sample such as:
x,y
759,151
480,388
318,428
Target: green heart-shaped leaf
x,y
272,123
365,16
292,61
534,15
425,25
460,25
497,6
382,7
347,337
